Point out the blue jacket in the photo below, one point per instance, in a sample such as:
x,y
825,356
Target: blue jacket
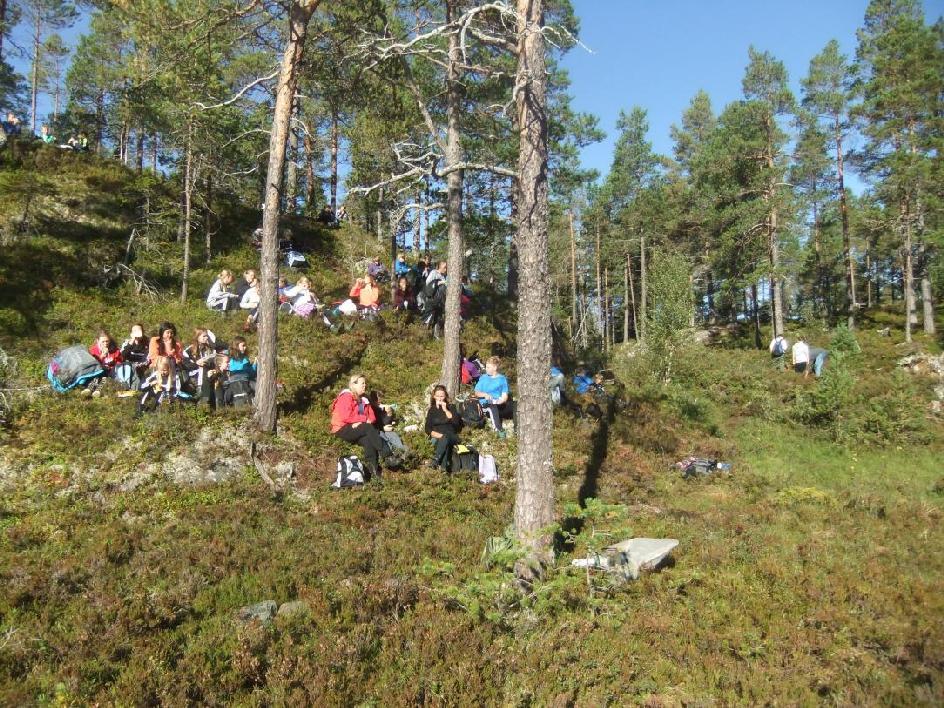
x,y
582,383
242,367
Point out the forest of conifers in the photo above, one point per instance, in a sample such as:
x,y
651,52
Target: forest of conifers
x,y
754,196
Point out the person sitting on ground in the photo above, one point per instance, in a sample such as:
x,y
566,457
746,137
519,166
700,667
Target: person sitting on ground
x,y
434,299
801,356
442,425
778,348
250,299
12,125
403,298
283,286
366,293
222,296
107,353
493,392
219,379
326,216
818,356
200,361
584,386
386,420
378,271
300,299
165,344
352,420
401,267
470,368
46,135
239,364
134,350
82,144
163,386
342,214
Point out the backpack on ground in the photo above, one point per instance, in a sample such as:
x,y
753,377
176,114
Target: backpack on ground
x,y
71,367
238,393
465,458
472,414
350,472
488,471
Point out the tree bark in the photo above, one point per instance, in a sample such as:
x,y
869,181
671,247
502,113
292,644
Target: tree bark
x,y
868,279
188,211
208,217
449,376
632,295
139,150
266,413
37,56
773,246
417,226
755,316
643,288
309,146
626,300
599,260
155,141
335,140
573,275
534,500
927,301
3,24
846,238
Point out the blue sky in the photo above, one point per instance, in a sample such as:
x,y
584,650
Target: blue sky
x,y
658,54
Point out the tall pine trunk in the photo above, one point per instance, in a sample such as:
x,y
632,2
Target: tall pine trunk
x,y
188,211
335,141
534,499
34,73
643,289
846,238
632,295
449,376
573,275
266,414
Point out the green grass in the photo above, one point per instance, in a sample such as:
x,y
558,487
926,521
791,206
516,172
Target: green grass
x,y
813,573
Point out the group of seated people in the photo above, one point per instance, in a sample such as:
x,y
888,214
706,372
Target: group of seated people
x,y
419,289
78,143
358,418
160,369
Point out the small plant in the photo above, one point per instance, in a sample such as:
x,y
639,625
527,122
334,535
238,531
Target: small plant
x,y
844,342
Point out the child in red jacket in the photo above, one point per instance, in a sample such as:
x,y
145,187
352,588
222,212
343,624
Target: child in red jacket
x,y
109,356
352,419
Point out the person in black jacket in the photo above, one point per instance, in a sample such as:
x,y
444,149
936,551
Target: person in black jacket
x,y
442,425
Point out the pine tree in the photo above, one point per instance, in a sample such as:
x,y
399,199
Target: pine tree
x,y
43,17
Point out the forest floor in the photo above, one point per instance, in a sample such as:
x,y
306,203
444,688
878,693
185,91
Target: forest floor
x,y
813,572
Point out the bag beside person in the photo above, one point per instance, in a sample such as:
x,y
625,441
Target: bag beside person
x,y
488,471
465,458
238,393
472,414
350,472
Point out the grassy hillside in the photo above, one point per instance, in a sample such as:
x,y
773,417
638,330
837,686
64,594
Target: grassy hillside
x,y
812,573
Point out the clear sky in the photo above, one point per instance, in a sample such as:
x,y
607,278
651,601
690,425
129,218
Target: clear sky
x,y
658,53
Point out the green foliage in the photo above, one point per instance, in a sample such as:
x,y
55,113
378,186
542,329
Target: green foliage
x,y
844,342
827,403
667,323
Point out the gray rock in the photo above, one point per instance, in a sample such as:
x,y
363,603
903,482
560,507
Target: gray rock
x,y
637,554
295,607
262,611
284,471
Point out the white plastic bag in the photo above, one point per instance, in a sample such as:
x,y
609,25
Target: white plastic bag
x,y
488,471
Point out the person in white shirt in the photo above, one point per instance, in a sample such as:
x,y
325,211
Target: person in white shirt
x,y
801,355
222,296
778,348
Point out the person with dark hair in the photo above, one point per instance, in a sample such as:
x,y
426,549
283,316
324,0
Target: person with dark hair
x,y
442,425
165,344
353,419
403,298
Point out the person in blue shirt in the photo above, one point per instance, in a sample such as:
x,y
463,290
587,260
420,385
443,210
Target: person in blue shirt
x,y
401,267
239,364
582,381
494,394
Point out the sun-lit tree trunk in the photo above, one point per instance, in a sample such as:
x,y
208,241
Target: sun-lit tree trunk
x,y
335,146
309,145
266,413
449,376
632,295
188,211
643,288
846,238
534,500
626,300
573,274
37,58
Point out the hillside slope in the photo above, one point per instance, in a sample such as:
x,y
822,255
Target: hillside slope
x,y
813,572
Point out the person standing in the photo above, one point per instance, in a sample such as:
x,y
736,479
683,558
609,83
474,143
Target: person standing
x,y
801,356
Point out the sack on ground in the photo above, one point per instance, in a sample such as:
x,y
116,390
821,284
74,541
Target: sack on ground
x,y
72,367
350,472
347,308
488,470
465,458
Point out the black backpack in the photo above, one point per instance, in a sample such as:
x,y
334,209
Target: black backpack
x,y
465,458
472,414
238,393
434,295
